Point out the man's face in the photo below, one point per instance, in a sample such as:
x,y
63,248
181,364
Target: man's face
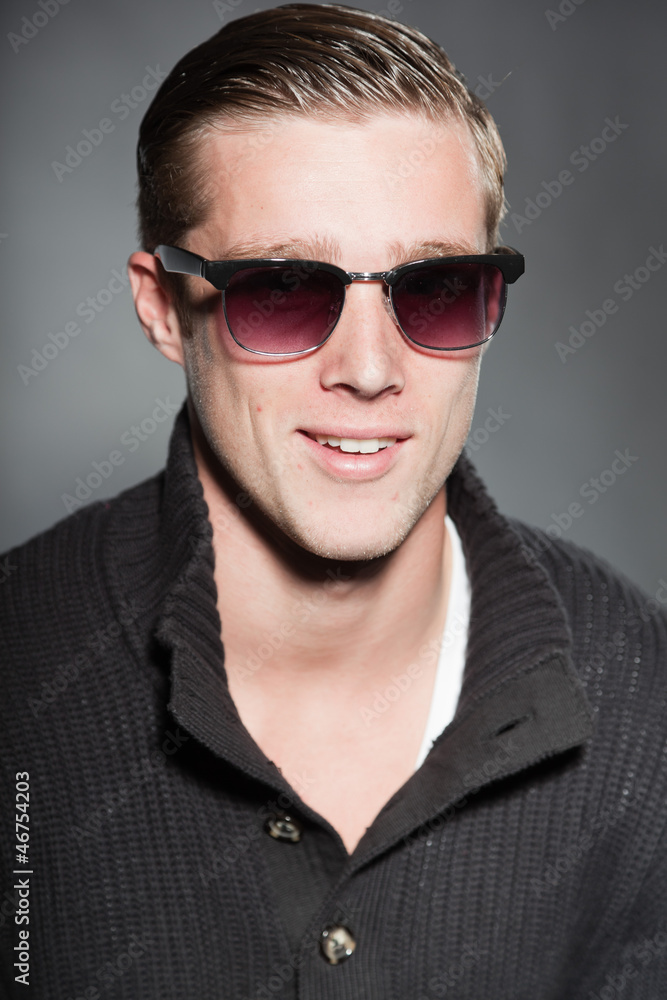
x,y
335,192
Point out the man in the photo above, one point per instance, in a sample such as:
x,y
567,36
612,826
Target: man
x,y
305,716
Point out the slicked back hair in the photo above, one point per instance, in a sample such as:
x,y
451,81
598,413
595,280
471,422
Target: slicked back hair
x,y
321,61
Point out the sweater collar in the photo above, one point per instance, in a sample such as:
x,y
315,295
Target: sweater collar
x,y
521,699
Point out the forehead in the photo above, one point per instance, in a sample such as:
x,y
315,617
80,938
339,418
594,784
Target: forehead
x,y
345,188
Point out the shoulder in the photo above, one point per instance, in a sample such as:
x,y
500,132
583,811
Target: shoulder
x,y
577,573
55,592
619,632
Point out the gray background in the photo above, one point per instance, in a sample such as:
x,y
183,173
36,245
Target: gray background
x,y
553,88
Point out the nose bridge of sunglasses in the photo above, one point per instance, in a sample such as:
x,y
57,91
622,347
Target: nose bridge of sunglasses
x,y
374,278
375,281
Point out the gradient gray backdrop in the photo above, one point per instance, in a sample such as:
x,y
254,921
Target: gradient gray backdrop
x,y
553,86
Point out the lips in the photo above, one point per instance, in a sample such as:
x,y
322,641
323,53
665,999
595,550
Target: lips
x,y
354,456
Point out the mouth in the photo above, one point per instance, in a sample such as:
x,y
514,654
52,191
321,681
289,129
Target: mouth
x,y
346,457
353,446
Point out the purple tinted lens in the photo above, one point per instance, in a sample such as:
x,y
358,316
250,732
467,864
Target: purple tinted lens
x,y
450,306
282,310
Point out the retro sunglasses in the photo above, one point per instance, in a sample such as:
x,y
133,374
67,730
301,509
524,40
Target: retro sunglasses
x,y
286,308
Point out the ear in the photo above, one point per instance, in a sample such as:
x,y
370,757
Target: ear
x,y
154,306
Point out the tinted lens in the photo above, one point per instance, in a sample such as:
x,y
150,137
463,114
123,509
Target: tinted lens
x,y
450,306
282,310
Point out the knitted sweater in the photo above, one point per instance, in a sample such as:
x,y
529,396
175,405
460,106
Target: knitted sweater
x,y
526,859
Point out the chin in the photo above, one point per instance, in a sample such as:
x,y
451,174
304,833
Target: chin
x,y
350,546
353,552
349,534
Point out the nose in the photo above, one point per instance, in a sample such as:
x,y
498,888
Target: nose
x,y
365,355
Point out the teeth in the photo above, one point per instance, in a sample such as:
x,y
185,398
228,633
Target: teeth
x,y
364,446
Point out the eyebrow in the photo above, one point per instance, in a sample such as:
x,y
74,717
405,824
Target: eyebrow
x,y
328,250
400,252
316,248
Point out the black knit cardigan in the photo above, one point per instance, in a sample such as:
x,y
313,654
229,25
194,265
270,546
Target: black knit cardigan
x,y
526,859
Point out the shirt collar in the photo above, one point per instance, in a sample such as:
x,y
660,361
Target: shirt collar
x,y
521,699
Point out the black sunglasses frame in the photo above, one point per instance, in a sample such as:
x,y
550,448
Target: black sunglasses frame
x,y
509,262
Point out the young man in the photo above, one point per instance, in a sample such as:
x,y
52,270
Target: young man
x,y
320,721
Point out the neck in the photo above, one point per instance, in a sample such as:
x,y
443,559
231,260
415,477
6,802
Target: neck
x,y
286,612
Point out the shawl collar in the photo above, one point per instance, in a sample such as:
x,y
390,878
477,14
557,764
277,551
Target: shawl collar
x,y
521,699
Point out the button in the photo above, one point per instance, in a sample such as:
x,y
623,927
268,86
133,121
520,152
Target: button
x,y
337,944
283,827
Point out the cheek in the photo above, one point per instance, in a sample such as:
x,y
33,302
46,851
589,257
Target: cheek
x,y
456,395
232,394
222,337
467,392
217,358
210,375
470,380
453,383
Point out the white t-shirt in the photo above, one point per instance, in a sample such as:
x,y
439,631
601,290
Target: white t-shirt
x,y
449,673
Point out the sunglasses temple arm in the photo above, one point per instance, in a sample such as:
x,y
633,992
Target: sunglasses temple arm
x,y
515,261
181,261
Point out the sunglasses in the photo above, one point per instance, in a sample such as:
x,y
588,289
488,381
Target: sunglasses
x,y
286,307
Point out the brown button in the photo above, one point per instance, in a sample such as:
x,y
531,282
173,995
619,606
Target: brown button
x,y
284,827
337,944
